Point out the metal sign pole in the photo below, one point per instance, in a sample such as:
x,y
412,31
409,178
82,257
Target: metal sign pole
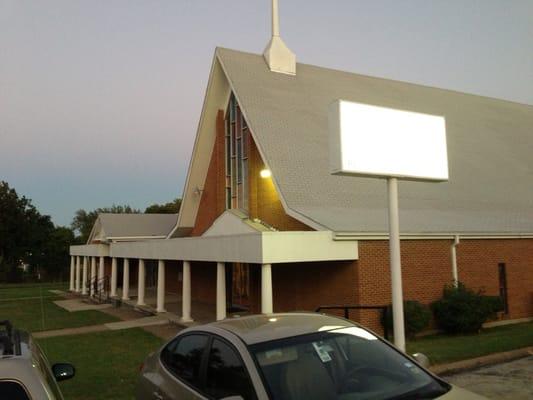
x,y
395,264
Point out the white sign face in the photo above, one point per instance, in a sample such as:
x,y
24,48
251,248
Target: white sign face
x,y
380,141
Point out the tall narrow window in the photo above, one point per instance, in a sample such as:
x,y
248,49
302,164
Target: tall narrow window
x,y
502,277
227,143
237,137
245,143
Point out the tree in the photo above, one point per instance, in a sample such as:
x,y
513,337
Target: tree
x,y
172,207
83,221
14,225
27,237
55,259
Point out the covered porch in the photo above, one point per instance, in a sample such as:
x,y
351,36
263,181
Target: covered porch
x,y
194,277
213,258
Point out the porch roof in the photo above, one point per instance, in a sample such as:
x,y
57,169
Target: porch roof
x,y
90,250
255,247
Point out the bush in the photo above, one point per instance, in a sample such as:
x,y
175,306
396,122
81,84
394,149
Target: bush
x,y
494,304
416,317
462,310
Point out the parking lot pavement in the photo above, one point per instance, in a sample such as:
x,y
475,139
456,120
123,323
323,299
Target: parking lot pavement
x,y
510,380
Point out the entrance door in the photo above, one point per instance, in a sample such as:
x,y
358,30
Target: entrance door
x,y
239,294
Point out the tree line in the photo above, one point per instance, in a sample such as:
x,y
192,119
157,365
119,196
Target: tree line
x,y
33,248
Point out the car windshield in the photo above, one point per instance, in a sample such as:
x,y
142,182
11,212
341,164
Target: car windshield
x,y
346,363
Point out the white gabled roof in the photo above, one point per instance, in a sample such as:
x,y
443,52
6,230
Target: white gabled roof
x,y
110,227
490,147
234,222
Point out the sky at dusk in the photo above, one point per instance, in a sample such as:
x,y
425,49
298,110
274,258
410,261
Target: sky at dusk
x,y
100,100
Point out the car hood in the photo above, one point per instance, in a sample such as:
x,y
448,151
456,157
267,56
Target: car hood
x,y
461,394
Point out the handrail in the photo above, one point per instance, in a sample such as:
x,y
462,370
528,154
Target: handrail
x,y
103,288
348,307
100,288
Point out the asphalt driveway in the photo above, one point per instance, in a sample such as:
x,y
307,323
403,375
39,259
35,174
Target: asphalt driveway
x,y
510,380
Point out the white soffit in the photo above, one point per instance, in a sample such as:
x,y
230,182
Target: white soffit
x,y
371,140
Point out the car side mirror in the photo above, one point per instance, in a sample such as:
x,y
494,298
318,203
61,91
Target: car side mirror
x,y
422,359
63,371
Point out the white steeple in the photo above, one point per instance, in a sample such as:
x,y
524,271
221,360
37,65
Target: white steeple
x,y
277,55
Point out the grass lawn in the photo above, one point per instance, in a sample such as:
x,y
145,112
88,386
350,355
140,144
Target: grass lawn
x,y
18,290
443,349
37,315
107,363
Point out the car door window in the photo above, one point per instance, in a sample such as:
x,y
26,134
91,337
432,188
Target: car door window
x,y
183,357
226,373
13,391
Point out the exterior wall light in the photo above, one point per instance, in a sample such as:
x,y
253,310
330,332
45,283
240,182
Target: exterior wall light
x,y
265,173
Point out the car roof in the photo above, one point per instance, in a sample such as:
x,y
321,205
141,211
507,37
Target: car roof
x,y
266,327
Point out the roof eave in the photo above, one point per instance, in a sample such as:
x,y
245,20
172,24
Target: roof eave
x,y
181,226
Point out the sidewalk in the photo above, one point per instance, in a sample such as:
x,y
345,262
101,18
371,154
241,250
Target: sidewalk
x,y
473,363
70,331
143,322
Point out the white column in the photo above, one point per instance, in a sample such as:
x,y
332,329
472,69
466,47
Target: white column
x,y
93,274
396,265
84,277
141,283
72,273
221,291
78,268
161,286
114,277
101,274
266,289
126,280
186,293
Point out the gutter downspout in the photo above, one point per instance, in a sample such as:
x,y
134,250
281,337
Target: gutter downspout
x,y
454,260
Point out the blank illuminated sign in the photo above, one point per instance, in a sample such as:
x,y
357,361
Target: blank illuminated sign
x,y
372,140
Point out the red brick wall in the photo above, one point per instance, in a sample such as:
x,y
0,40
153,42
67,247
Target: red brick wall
x,y
173,271
484,255
426,268
212,203
203,282
305,286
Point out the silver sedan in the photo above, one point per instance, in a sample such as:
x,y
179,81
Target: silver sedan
x,y
291,356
